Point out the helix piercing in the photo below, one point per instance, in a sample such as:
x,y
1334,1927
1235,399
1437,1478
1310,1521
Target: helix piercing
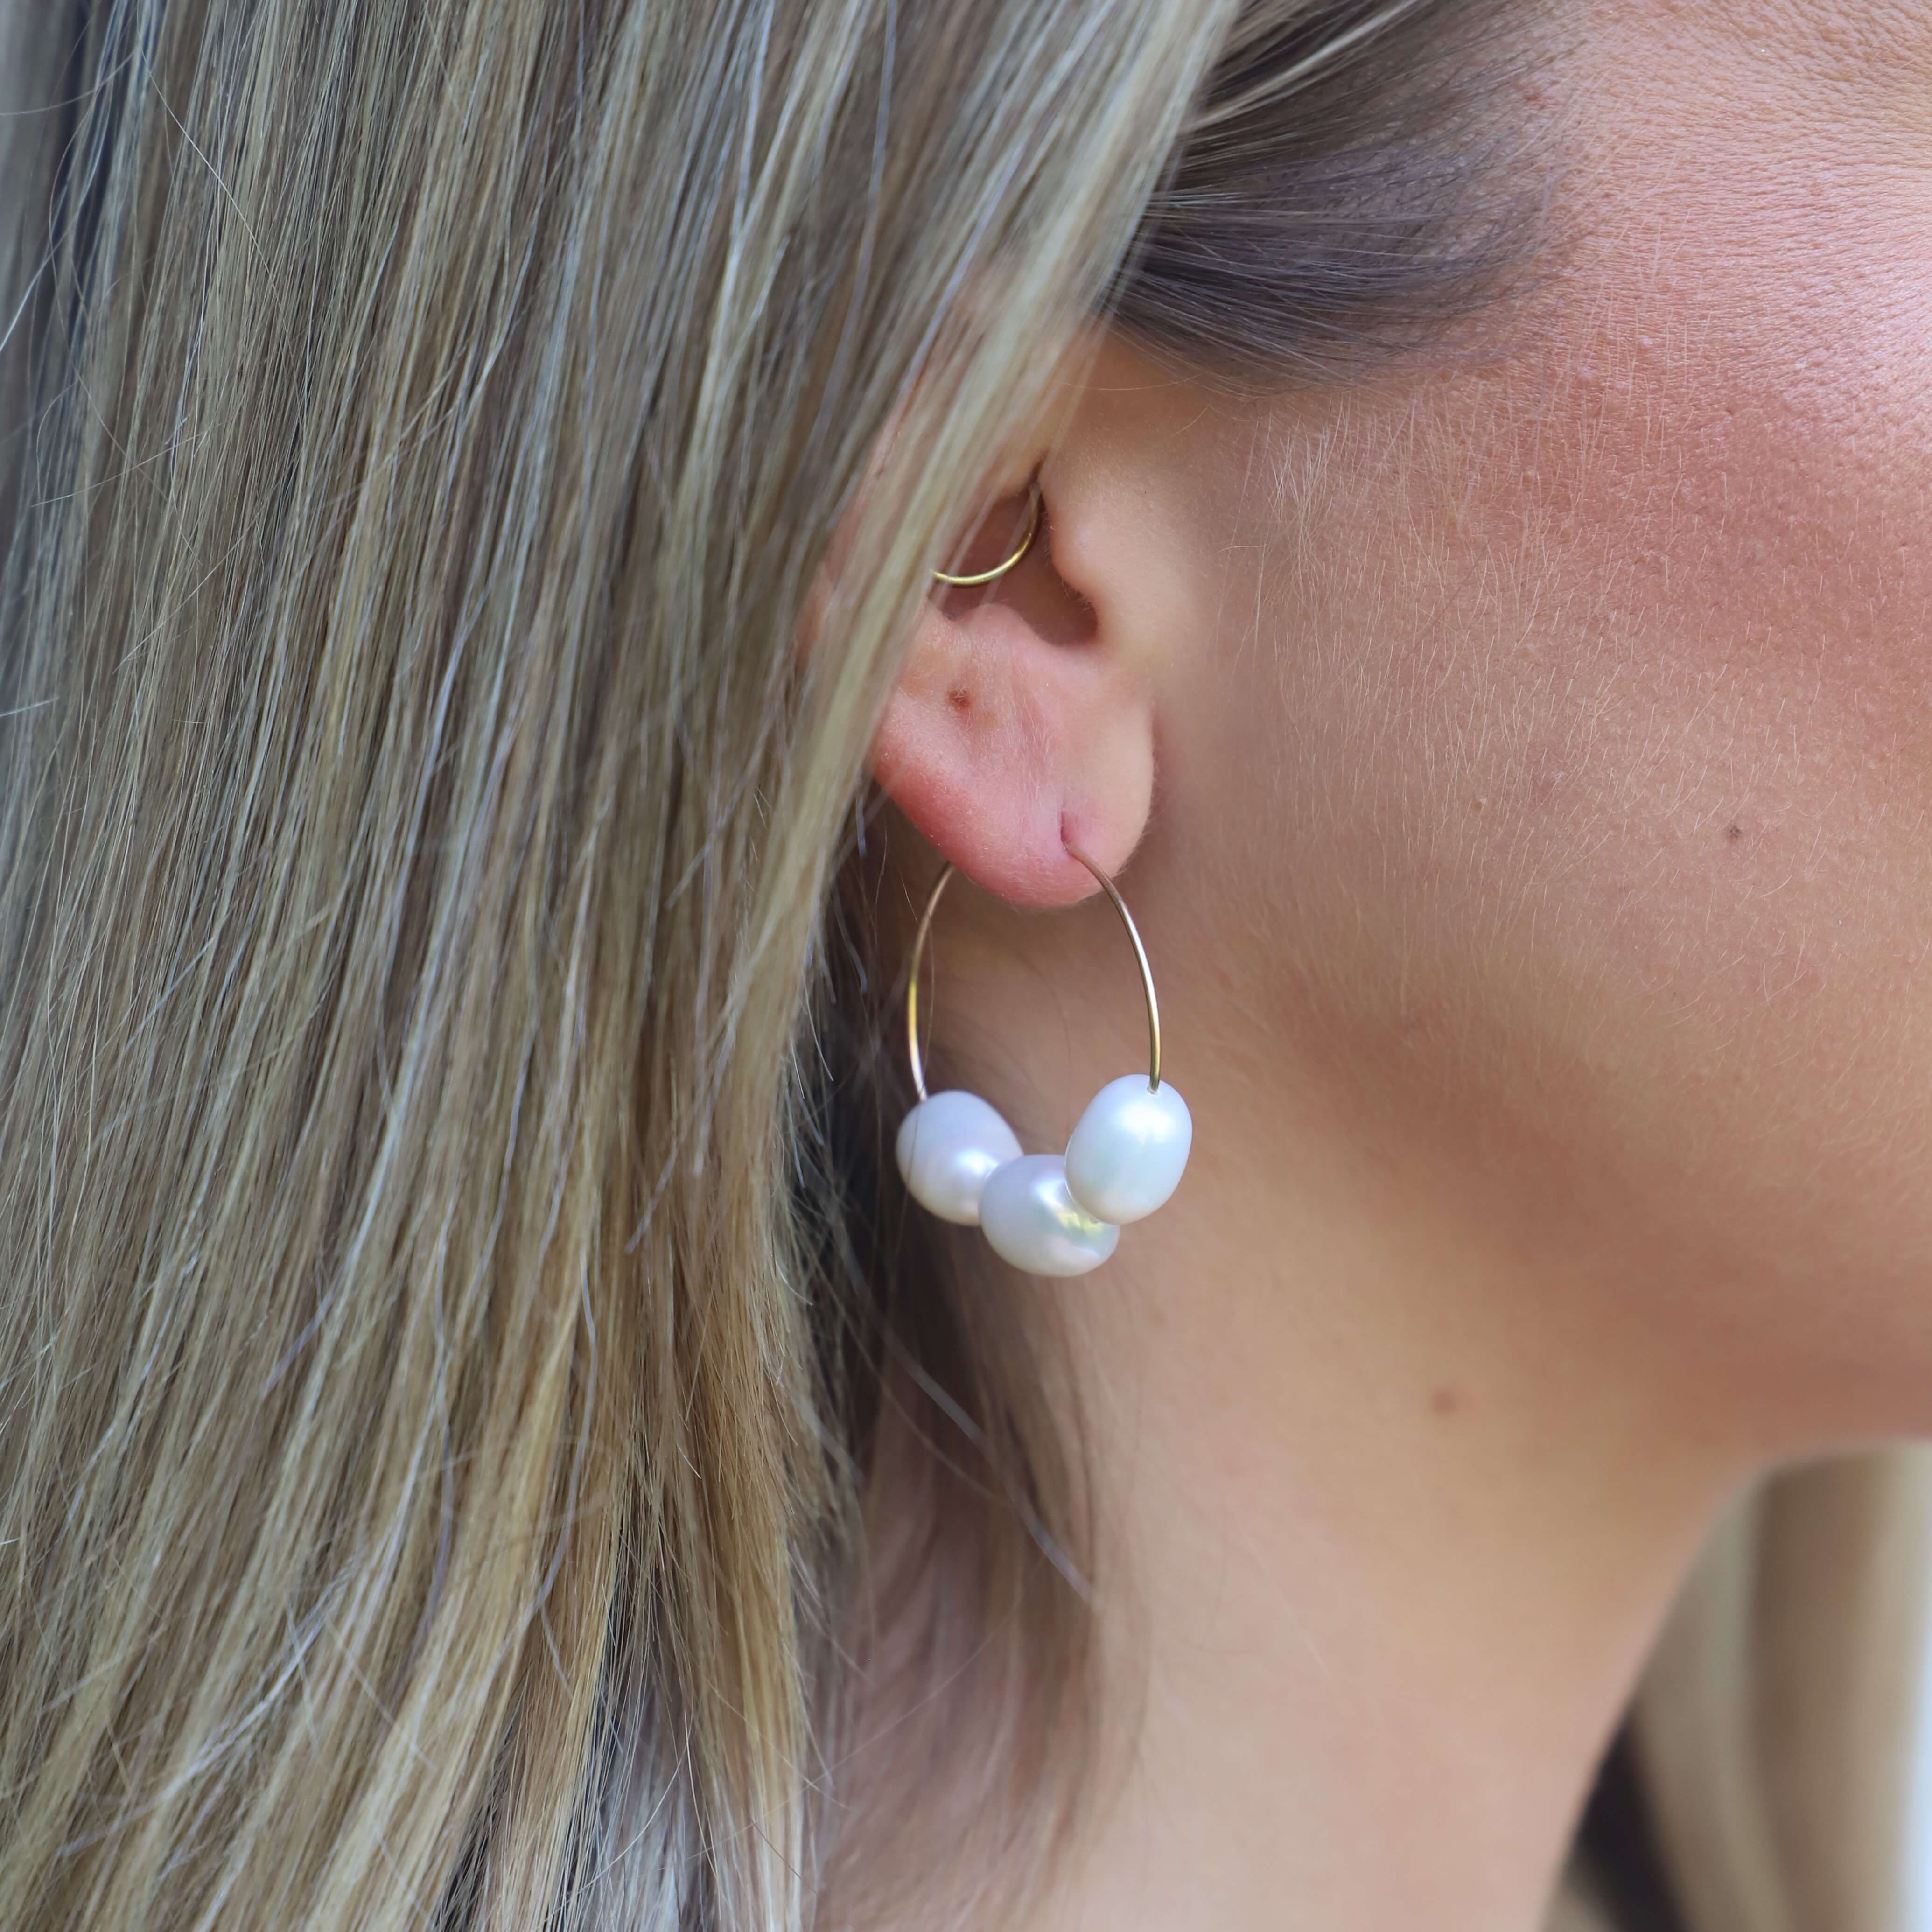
x,y
1046,1213
1001,569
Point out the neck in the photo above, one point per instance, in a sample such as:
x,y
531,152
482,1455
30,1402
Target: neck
x,y
1395,1501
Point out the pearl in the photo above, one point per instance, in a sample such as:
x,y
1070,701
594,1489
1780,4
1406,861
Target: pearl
x,y
1129,1151
1030,1219
948,1146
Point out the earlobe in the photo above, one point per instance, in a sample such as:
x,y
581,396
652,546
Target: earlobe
x,y
1021,725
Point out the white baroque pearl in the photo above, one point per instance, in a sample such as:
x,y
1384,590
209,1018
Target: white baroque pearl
x,y
947,1146
1128,1153
1030,1219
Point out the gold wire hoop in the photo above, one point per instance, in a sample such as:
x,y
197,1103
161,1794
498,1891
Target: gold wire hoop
x,y
1126,919
1000,569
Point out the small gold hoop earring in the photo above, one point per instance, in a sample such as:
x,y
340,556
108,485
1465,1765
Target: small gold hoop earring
x,y
1000,569
1048,1214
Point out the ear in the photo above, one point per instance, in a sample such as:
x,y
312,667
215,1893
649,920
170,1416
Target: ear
x,y
1023,720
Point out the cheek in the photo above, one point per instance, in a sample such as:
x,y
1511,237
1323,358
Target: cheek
x,y
1713,637
1582,711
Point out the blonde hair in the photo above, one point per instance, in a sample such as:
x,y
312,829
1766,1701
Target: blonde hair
x,y
448,1321
424,1483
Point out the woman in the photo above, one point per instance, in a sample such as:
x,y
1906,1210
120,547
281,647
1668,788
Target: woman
x,y
490,1438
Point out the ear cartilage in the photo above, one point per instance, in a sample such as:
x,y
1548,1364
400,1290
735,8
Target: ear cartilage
x,y
1046,1213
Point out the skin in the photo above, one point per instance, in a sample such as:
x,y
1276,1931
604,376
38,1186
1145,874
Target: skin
x,y
1520,773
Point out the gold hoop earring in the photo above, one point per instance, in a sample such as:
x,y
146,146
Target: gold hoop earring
x,y
1000,569
1046,1213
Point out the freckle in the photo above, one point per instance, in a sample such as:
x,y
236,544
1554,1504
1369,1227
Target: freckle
x,y
1734,832
960,698
1446,1400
